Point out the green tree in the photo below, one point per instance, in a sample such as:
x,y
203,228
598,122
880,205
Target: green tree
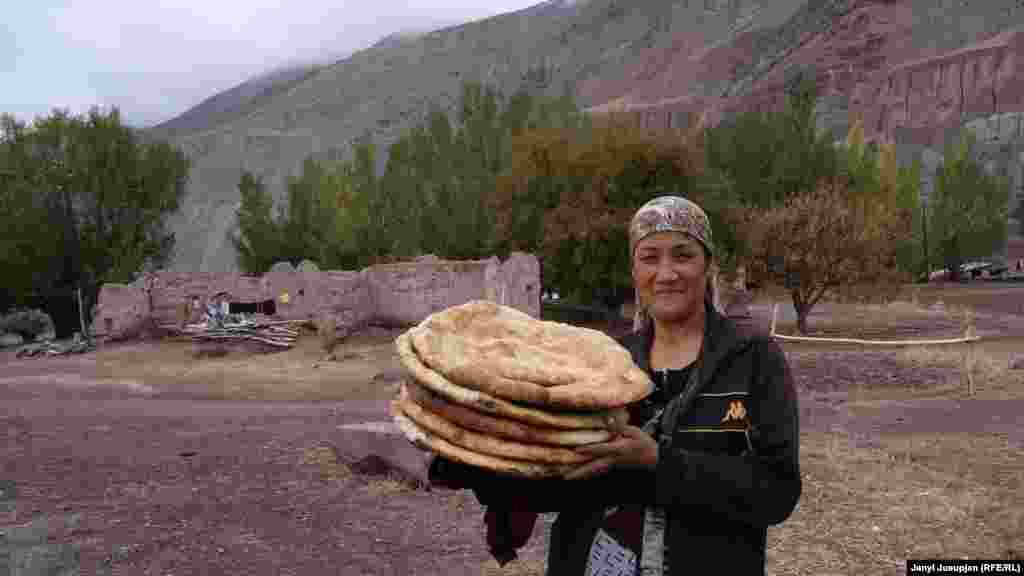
x,y
431,196
758,160
968,208
879,186
98,197
258,243
569,195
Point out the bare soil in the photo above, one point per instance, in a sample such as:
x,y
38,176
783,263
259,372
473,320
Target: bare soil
x,y
139,459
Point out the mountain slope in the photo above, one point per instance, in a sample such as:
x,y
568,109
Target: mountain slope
x,y
384,89
659,57
233,103
916,71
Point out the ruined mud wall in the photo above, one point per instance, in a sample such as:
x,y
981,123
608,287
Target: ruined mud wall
x,y
399,294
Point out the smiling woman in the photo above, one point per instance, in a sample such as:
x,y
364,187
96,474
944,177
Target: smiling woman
x,y
707,462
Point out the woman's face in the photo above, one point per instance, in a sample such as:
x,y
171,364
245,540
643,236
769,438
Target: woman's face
x,y
669,274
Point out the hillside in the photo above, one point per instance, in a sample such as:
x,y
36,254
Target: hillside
x,y
658,57
915,71
234,102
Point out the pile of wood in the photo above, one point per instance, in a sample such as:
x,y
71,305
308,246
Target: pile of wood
x,y
492,387
234,328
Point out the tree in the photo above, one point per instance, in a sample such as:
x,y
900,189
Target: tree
x,y
569,194
878,185
430,197
258,243
829,240
968,210
761,159
85,203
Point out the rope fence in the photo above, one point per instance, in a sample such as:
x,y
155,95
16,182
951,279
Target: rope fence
x,y
970,337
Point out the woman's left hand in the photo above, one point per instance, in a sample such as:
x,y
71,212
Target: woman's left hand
x,y
632,448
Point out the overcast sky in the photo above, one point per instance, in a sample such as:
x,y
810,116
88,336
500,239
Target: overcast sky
x,y
154,59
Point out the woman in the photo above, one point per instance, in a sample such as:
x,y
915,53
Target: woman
x,y
708,462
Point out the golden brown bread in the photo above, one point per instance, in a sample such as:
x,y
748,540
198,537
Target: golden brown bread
x,y
510,355
483,402
499,427
428,441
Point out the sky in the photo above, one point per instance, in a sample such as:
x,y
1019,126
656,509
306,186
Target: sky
x,y
154,59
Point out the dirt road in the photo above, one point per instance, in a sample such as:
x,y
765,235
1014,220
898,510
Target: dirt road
x,y
144,484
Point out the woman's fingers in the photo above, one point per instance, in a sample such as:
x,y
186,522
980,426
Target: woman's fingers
x,y
601,448
590,469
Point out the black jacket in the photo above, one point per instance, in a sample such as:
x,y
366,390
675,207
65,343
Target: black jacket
x,y
720,482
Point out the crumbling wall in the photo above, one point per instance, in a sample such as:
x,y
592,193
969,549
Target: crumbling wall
x,y
521,278
400,294
405,293
343,296
121,308
178,293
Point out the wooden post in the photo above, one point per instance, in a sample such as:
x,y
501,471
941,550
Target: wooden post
x,y
81,313
968,373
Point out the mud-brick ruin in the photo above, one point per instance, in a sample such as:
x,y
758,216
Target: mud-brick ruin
x,y
399,294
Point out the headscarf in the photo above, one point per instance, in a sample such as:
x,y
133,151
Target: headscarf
x,y
674,214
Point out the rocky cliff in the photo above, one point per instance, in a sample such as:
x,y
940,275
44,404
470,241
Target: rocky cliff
x,y
893,63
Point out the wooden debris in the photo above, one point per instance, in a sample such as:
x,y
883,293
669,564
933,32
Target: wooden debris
x,y
239,327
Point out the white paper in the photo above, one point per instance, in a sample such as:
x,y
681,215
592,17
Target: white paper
x,y
608,558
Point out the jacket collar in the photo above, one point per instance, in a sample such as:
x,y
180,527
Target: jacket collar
x,y
721,338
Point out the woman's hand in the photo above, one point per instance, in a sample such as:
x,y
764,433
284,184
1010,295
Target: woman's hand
x,y
632,448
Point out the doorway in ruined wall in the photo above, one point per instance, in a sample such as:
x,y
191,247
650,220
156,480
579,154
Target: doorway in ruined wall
x,y
266,307
230,305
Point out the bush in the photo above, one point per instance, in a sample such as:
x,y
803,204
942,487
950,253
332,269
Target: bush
x,y
28,324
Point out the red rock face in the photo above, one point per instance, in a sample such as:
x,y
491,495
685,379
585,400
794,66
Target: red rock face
x,y
867,56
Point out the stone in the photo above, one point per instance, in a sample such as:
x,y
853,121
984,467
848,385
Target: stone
x,y
308,266
390,376
10,340
27,323
327,330
282,268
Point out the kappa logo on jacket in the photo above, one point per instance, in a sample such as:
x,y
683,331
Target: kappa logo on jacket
x,y
737,412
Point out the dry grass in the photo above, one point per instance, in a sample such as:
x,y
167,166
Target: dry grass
x,y
459,502
987,362
325,459
298,374
387,486
868,510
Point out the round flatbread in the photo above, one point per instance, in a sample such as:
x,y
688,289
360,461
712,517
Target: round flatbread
x,y
511,355
484,444
499,427
602,419
427,441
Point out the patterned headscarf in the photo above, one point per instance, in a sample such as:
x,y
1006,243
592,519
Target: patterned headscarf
x,y
674,214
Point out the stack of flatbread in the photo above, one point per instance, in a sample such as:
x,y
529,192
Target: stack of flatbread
x,y
493,387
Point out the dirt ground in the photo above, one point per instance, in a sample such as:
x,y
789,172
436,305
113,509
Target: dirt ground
x,y
139,459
